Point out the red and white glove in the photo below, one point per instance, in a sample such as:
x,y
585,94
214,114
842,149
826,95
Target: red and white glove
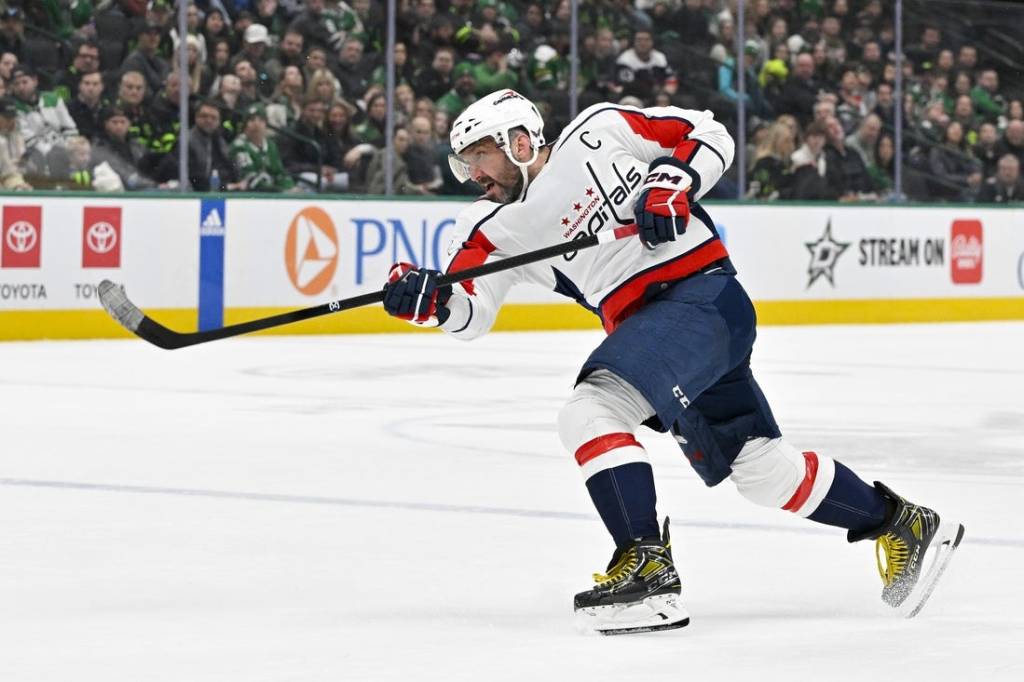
x,y
412,294
663,207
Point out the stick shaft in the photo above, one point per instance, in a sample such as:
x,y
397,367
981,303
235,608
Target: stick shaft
x,y
124,311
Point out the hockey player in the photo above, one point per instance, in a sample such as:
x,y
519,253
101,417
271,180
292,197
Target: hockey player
x,y
677,356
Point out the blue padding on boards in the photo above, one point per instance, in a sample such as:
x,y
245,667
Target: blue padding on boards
x,y
212,228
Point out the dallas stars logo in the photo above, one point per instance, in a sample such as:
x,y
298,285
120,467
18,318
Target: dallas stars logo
x,y
824,254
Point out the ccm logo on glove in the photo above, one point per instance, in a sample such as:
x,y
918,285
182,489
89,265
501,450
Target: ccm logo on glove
x,y
663,178
663,208
412,294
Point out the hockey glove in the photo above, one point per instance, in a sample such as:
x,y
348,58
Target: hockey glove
x,y
663,207
412,294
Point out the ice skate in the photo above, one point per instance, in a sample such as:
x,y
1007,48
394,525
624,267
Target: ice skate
x,y
640,592
912,548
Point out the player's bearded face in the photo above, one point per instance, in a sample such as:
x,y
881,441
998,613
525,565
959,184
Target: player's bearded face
x,y
491,169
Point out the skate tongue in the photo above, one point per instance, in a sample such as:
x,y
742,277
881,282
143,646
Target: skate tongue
x,y
618,554
622,563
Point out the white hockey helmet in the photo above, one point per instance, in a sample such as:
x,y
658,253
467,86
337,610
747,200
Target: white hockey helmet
x,y
495,116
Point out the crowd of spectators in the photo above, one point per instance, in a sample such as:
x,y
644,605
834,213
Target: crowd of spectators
x,y
288,95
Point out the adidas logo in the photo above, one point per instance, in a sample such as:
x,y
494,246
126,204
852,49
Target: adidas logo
x,y
213,219
212,225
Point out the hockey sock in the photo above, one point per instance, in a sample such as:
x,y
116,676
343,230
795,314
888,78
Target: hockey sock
x,y
851,503
625,499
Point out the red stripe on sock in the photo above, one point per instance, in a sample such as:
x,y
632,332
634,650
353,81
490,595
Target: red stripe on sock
x,y
602,444
804,491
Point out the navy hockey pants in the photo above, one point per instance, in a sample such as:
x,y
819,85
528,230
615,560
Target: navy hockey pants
x,y
688,353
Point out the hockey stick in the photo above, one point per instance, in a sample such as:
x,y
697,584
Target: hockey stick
x,y
115,301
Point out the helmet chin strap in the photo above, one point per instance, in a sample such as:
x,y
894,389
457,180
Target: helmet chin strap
x,y
523,165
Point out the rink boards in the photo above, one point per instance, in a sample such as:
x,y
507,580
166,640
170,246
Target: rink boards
x,y
203,261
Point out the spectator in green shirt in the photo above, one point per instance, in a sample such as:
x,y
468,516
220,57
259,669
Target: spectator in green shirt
x,y
493,73
987,101
461,95
371,129
256,156
882,168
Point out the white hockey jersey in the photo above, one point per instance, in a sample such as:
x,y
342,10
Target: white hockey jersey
x,y
590,183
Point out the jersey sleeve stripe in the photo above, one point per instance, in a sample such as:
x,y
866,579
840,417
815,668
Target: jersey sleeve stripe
x,y
667,131
686,150
565,136
711,149
473,253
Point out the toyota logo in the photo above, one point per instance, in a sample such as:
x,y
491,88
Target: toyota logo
x,y
21,236
101,237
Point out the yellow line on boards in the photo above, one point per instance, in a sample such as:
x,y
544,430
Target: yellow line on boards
x,y
26,325
882,311
95,324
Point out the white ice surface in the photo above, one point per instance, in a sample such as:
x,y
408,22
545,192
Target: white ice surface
x,y
400,508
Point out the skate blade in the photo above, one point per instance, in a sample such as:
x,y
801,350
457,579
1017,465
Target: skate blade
x,y
948,539
660,612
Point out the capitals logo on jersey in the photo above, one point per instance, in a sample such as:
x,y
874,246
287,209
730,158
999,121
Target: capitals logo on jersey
x,y
602,203
617,191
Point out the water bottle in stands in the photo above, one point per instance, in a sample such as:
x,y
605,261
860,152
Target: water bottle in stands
x,y
214,181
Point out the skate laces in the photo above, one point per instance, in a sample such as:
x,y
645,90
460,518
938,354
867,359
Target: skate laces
x,y
894,550
626,564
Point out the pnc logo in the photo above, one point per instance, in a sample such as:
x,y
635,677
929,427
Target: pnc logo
x,y
311,251
21,245
101,237
21,237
